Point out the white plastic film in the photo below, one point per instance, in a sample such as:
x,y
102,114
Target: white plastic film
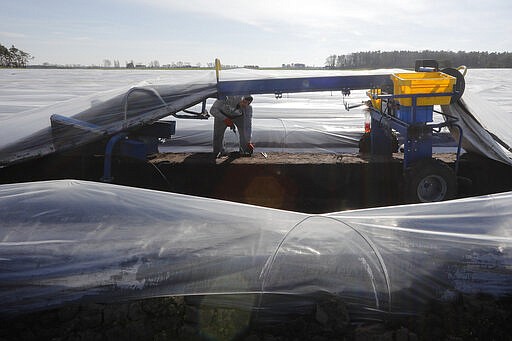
x,y
62,241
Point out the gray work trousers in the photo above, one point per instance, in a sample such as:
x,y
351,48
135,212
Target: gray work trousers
x,y
219,128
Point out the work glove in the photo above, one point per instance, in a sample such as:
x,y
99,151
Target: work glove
x,y
229,122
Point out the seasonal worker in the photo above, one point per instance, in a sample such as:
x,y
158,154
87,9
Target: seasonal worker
x,y
233,112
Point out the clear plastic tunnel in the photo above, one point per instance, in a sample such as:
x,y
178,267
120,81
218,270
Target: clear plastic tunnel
x,y
87,119
65,241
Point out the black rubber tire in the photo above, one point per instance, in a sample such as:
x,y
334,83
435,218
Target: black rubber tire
x,y
430,181
394,143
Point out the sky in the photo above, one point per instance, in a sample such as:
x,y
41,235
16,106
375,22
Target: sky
x,y
247,32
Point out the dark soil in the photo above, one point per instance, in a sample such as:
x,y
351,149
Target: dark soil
x,y
195,318
310,183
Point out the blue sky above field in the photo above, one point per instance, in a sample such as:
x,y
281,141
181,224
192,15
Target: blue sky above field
x,y
265,33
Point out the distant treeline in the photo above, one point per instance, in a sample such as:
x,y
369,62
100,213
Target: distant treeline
x,y
406,59
13,57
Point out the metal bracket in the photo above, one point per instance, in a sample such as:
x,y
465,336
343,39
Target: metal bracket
x,y
203,115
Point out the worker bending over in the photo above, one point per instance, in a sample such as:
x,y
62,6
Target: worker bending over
x,y
234,112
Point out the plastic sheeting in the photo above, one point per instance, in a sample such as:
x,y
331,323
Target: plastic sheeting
x,y
331,135
303,122
62,241
314,122
88,119
486,129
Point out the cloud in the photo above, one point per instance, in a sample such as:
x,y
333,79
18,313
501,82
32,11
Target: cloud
x,y
342,26
81,39
264,13
12,34
275,31
335,14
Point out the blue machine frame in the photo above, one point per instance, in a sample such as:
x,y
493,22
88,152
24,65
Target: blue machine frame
x,y
417,131
413,122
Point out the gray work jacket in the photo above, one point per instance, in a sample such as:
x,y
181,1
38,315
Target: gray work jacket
x,y
226,108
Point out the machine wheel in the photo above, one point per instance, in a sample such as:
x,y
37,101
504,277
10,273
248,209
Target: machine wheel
x,y
394,143
430,181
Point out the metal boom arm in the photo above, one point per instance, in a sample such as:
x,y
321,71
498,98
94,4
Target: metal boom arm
x,y
304,84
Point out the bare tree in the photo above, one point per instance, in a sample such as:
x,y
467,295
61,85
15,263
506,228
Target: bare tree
x,y
13,57
330,62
